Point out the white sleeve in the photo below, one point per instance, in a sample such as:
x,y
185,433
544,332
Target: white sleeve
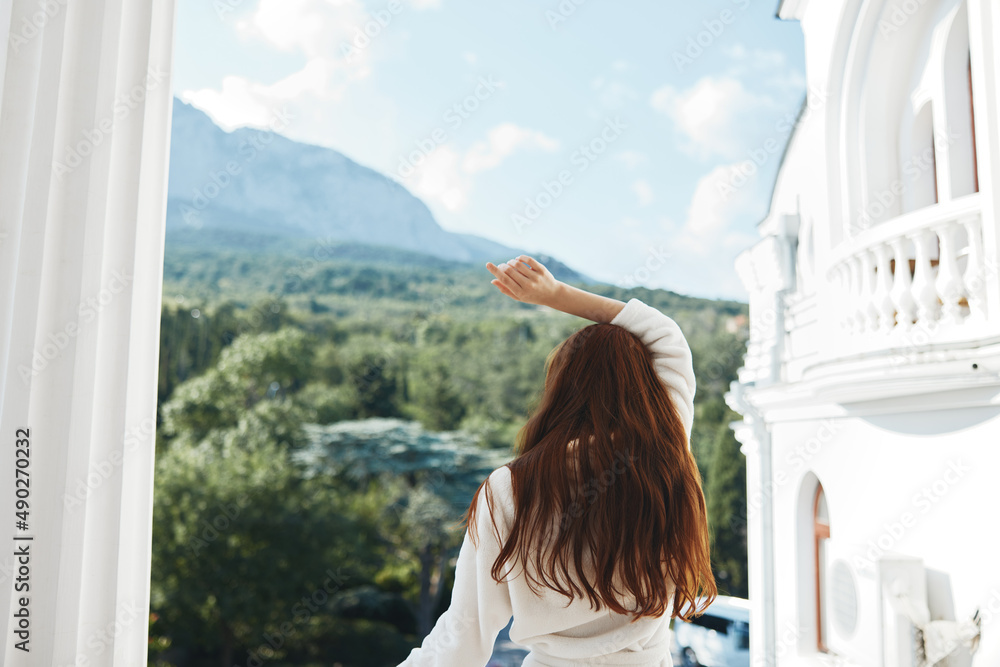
x,y
480,607
671,353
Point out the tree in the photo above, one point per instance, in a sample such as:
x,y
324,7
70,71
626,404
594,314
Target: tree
x,y
240,540
429,479
253,376
726,491
437,400
373,379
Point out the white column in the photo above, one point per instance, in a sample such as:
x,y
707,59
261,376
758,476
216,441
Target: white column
x,y
756,447
984,33
84,132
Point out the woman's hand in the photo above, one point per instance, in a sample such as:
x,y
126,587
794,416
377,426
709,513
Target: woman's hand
x,y
526,279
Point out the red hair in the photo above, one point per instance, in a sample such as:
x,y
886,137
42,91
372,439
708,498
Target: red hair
x,y
631,512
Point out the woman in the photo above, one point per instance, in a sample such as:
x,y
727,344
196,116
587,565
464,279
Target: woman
x,y
595,534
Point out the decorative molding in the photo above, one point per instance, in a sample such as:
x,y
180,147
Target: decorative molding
x,y
875,395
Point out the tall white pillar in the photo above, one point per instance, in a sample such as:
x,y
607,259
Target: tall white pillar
x,y
84,134
756,447
984,29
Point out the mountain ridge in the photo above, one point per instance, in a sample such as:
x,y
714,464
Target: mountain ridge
x,y
261,183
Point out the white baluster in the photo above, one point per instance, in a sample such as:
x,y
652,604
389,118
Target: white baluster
x,y
902,287
975,271
949,281
837,295
883,288
844,314
924,292
868,290
856,307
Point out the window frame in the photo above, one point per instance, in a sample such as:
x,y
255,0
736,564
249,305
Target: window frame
x,y
821,532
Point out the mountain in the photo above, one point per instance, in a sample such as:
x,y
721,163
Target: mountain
x,y
228,189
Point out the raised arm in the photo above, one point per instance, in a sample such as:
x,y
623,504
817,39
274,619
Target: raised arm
x,y
671,353
526,279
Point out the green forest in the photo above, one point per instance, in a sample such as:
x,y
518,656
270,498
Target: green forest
x,y
325,414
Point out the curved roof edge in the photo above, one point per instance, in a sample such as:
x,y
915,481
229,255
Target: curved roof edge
x,y
784,154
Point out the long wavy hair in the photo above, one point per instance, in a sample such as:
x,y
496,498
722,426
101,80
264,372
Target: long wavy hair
x,y
605,485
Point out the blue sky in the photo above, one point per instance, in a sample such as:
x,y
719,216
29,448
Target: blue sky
x,y
623,138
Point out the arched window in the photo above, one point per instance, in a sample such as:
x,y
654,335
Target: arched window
x,y
958,128
821,533
907,116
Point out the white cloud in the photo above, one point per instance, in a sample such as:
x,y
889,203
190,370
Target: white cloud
x,y
643,191
446,175
337,38
438,177
317,28
723,197
502,141
717,115
322,27
242,102
470,57
721,119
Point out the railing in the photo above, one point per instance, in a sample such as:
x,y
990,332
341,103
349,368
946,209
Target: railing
x,y
943,275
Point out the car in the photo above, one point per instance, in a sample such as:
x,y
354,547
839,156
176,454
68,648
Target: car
x,y
718,638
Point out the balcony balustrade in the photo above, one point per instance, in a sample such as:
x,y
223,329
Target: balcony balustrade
x,y
924,270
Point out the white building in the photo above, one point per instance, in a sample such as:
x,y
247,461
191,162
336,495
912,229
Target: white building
x,y
870,394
